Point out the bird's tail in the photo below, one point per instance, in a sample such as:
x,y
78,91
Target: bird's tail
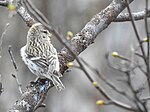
x,y
57,82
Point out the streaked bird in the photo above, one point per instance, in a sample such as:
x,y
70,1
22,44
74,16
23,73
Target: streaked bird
x,y
40,55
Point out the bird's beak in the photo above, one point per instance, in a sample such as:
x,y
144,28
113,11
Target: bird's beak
x,y
49,35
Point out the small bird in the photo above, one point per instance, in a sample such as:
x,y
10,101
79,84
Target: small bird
x,y
40,56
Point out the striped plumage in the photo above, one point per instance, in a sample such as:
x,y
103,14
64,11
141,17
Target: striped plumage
x,y
40,56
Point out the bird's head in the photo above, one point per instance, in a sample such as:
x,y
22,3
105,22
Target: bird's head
x,y
38,31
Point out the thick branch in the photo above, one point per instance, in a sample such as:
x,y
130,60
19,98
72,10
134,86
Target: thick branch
x,y
23,13
95,26
123,17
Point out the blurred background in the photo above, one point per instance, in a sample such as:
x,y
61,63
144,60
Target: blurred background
x,y
70,15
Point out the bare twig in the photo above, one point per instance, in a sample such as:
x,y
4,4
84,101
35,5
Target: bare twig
x,y
135,30
39,16
107,81
145,99
2,36
16,68
138,102
139,41
135,52
1,87
119,68
148,42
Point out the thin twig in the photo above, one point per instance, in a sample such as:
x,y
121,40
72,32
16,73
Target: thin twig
x,y
39,14
137,100
139,41
16,68
119,68
1,87
135,52
127,72
148,42
130,84
136,32
107,81
2,36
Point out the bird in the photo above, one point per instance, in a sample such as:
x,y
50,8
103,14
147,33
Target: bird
x,y
40,55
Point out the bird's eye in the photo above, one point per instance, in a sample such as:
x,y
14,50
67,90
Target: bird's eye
x,y
44,31
44,37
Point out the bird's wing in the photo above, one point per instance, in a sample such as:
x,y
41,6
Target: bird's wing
x,y
39,61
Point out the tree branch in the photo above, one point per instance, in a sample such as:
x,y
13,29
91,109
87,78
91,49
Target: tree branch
x,y
123,17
